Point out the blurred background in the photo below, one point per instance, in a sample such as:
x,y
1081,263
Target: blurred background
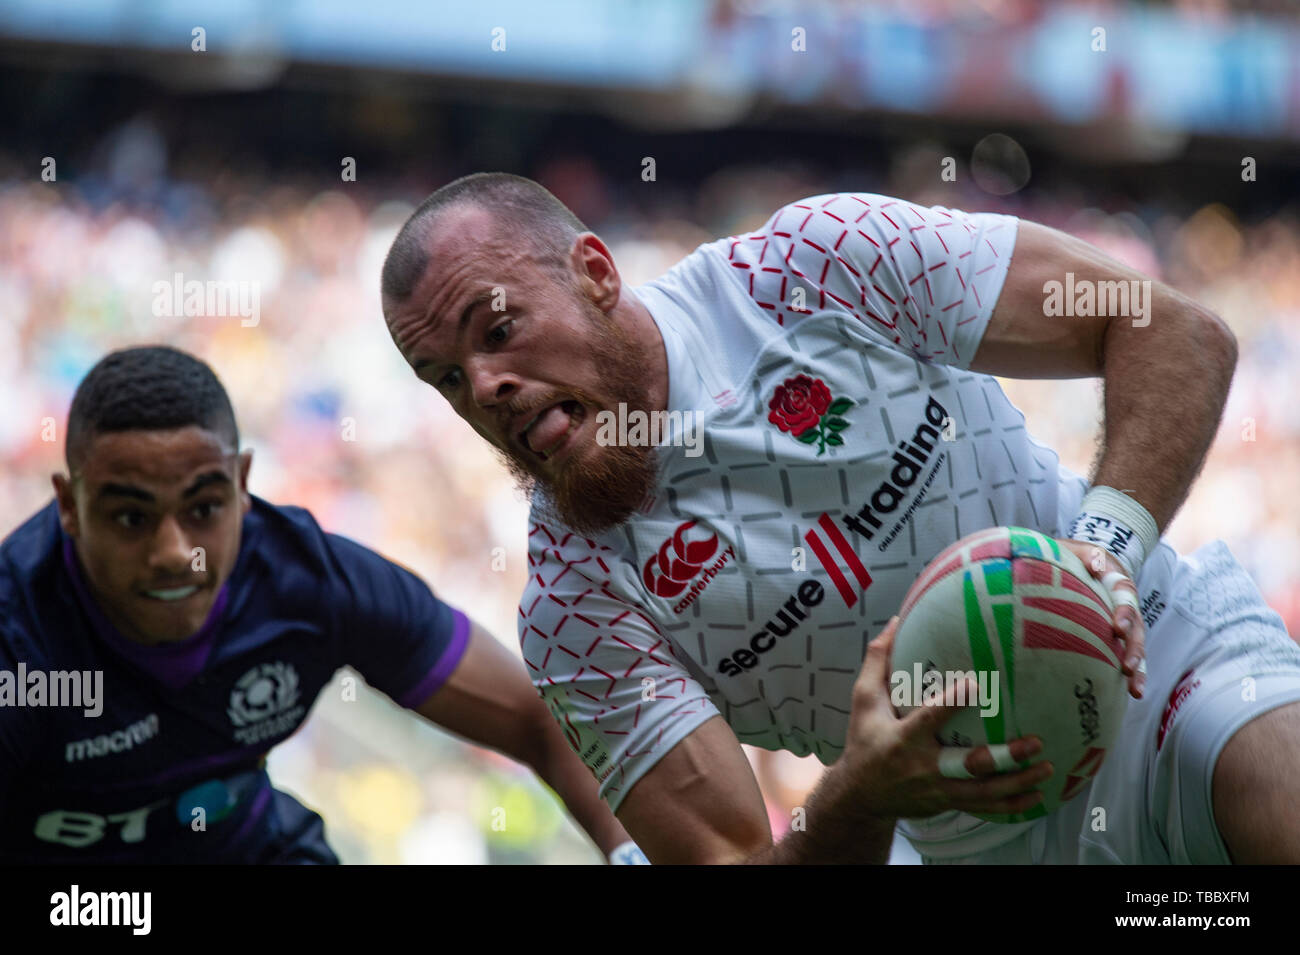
x,y
283,144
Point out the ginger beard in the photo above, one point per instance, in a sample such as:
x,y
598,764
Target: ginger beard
x,y
598,486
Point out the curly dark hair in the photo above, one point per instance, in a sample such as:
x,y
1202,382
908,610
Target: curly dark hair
x,y
150,388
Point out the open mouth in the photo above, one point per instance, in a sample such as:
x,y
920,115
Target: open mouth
x,y
550,429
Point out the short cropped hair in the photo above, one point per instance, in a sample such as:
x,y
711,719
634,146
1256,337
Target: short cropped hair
x,y
150,388
521,205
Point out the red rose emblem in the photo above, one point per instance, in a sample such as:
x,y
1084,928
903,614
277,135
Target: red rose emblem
x,y
799,404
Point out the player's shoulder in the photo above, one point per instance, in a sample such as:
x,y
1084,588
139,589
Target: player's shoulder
x,y
566,568
32,545
802,218
552,547
578,588
843,213
284,551
283,531
288,518
844,208
290,568
30,561
812,240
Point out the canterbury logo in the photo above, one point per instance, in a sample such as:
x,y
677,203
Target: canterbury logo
x,y
680,558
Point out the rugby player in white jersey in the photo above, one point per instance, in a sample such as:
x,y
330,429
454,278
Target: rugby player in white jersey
x,y
831,426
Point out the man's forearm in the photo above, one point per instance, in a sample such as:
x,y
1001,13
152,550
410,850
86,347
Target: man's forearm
x,y
1165,387
837,830
561,769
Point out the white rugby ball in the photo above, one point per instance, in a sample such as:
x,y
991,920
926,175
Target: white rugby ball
x,y
1024,615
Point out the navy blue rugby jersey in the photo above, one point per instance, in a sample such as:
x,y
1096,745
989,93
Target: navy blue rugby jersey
x,y
186,726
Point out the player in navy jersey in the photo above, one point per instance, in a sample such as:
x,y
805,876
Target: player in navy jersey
x,y
161,630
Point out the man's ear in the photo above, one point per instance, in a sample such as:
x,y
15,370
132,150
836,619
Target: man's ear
x,y
593,263
245,462
66,497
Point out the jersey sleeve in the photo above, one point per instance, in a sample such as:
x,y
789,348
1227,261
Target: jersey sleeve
x,y
922,280
395,632
609,676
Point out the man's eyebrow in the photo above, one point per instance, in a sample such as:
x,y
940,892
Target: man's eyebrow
x,y
483,296
205,480
111,489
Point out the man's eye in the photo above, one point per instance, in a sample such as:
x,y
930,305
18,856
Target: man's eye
x,y
497,334
206,509
129,519
449,380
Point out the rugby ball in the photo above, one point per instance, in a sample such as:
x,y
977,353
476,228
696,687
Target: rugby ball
x,y
1024,615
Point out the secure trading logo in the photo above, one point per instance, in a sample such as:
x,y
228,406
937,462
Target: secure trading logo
x,y
801,603
680,559
910,460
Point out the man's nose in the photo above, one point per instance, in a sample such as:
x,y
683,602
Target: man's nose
x,y
492,385
171,550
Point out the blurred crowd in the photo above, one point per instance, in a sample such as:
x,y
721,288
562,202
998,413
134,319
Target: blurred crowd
x,y
944,11
338,423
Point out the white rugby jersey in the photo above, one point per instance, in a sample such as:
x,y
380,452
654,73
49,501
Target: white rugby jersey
x,y
844,446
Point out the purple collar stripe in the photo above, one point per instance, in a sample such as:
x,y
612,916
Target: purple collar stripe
x,y
445,666
172,664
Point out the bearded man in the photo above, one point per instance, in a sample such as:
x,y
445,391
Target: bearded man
x,y
839,362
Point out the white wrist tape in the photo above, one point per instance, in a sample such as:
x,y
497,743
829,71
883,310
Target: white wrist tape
x,y
629,853
1114,521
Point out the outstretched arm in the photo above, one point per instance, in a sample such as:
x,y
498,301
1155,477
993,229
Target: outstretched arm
x,y
489,701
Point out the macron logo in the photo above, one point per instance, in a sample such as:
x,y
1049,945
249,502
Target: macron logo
x,y
139,732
